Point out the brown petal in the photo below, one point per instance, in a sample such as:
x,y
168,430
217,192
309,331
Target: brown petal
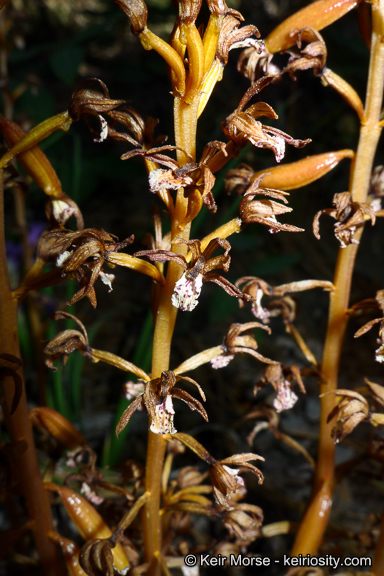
x,y
193,404
126,416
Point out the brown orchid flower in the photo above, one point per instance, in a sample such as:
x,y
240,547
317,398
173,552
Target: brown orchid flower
x,y
91,479
282,378
227,481
91,99
351,409
195,178
243,127
157,399
256,288
264,211
88,100
350,215
198,270
68,341
238,179
76,252
240,340
60,209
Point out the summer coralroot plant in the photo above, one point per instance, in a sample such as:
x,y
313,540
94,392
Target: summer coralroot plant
x,y
181,180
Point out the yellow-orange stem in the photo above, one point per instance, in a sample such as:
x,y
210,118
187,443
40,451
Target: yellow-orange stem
x,y
315,521
185,116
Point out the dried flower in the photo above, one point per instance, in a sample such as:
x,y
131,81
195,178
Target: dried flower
x,y
240,340
349,412
226,481
242,126
66,342
76,252
264,211
313,56
349,215
232,37
243,522
137,12
97,555
157,399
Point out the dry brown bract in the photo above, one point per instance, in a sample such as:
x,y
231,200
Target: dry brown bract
x,y
157,399
349,215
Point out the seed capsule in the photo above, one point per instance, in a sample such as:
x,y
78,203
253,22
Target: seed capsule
x,y
316,15
87,520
